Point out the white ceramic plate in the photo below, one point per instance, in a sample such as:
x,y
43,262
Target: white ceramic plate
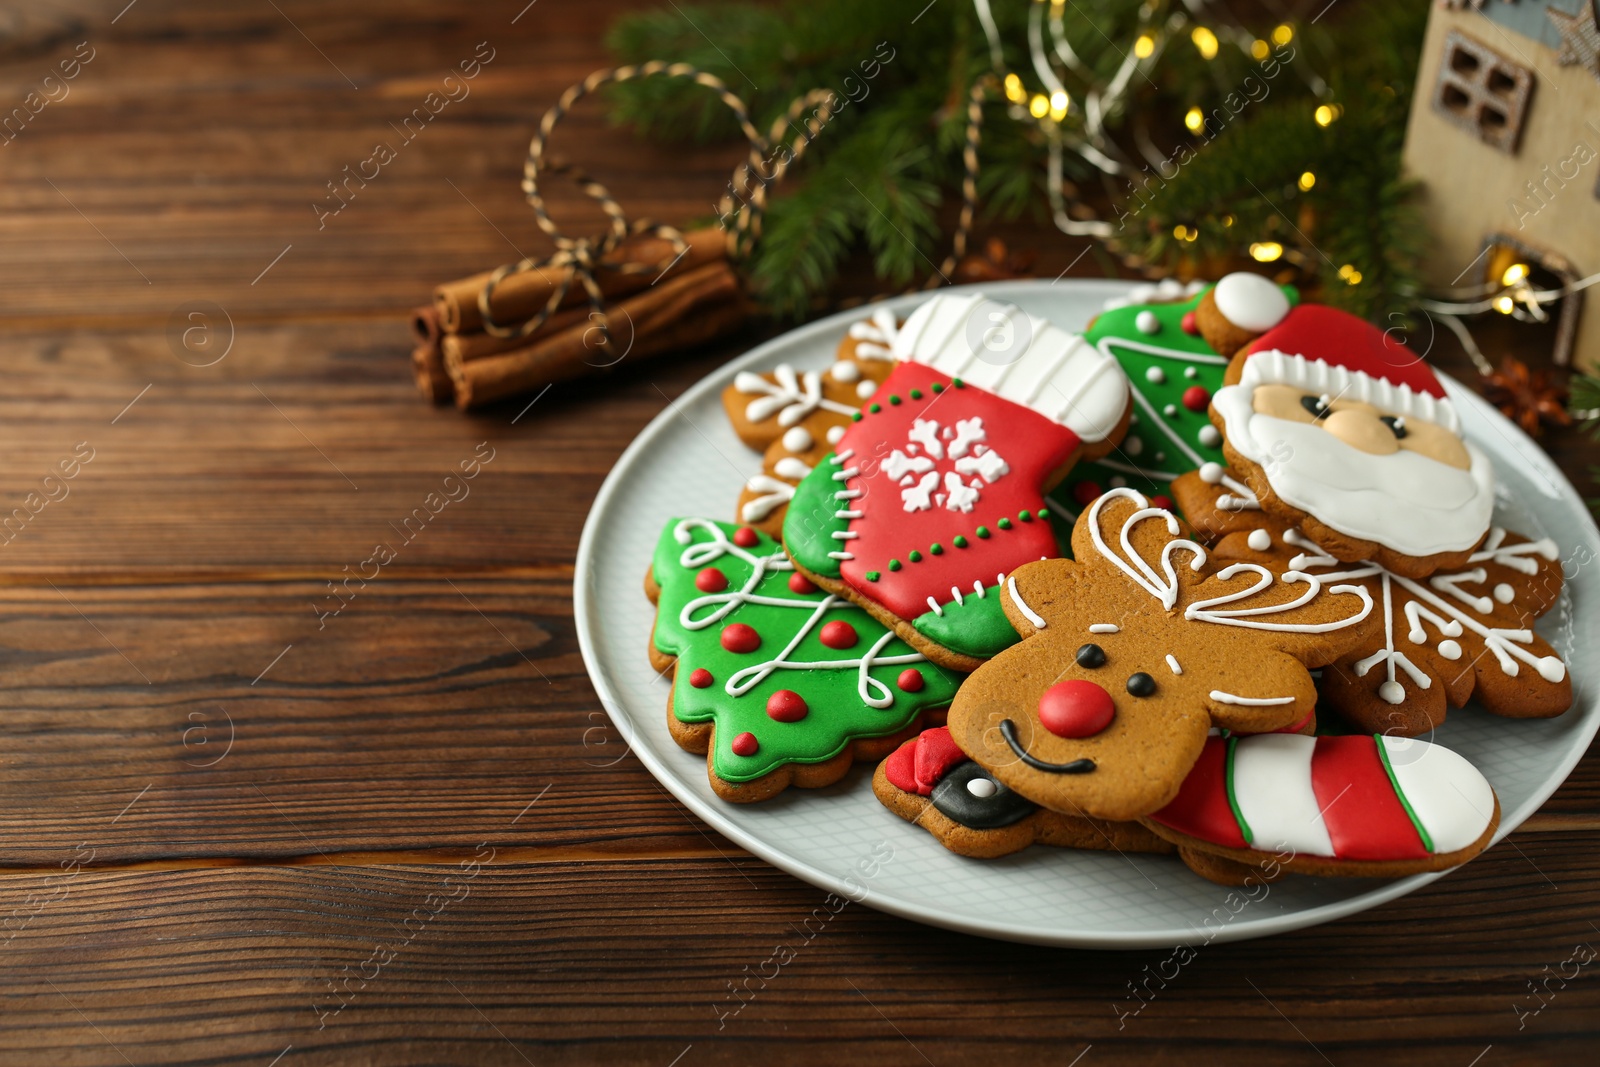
x,y
688,462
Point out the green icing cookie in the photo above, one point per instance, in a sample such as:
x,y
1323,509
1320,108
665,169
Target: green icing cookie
x,y
821,674
1166,437
976,626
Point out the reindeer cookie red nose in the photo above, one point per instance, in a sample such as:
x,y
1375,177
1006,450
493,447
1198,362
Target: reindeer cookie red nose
x,y
1075,708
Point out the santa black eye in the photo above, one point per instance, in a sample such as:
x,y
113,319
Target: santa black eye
x,y
1141,684
1316,405
1395,423
1091,656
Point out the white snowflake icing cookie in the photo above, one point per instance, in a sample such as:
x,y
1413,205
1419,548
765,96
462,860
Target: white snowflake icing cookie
x,y
1432,642
795,417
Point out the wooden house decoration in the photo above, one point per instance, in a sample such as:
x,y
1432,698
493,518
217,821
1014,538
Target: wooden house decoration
x,y
1504,137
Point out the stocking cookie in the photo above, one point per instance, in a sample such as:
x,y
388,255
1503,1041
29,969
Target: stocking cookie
x,y
1131,652
1155,337
1344,432
1431,643
1355,806
777,682
796,418
937,491
931,783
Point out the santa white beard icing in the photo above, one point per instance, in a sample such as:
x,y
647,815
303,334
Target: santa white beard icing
x,y
1376,453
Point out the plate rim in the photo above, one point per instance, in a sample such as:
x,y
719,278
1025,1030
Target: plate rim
x,y
585,617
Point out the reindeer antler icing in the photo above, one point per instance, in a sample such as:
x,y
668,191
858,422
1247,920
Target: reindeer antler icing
x,y
1164,586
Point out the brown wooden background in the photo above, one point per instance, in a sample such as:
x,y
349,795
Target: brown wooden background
x,y
213,813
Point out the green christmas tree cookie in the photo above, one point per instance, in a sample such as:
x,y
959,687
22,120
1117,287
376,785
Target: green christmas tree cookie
x,y
778,682
1174,374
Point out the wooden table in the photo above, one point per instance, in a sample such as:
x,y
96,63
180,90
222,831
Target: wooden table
x,y
234,832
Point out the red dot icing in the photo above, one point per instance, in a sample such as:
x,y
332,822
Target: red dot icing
x,y
701,678
737,637
745,745
910,680
1196,398
711,580
839,634
1190,326
787,706
1086,492
799,583
1075,708
746,537
1161,501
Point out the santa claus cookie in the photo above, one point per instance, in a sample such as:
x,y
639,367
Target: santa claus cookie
x,y
931,783
1356,806
795,418
1430,643
1344,432
937,491
1155,338
1131,652
777,682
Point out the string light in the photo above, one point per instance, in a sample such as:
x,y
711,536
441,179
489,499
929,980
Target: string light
x,y
1260,49
1265,251
1144,47
1185,233
1059,101
1350,274
1307,180
1504,304
1282,35
1039,106
1014,90
1325,115
1205,42
1514,274
1195,120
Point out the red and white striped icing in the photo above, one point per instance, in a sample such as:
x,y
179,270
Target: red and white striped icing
x,y
1362,797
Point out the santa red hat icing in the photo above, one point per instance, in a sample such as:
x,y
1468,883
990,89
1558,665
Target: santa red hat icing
x,y
1324,350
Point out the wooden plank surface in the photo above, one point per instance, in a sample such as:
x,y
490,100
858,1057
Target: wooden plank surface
x,y
169,896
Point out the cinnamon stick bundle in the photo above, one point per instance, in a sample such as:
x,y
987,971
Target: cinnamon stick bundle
x,y
688,308
521,296
427,360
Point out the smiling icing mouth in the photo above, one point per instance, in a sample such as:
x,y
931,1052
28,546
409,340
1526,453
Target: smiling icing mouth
x,y
1008,730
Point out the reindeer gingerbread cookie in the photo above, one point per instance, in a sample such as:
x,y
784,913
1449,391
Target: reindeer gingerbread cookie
x,y
775,681
1431,643
1132,652
795,418
1343,432
936,491
931,783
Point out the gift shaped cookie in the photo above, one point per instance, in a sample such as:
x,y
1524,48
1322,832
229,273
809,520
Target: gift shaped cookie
x,y
795,418
1353,806
936,491
1431,643
777,682
1132,652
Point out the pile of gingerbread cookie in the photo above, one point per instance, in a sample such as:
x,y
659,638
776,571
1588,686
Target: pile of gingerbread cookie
x,y
1200,580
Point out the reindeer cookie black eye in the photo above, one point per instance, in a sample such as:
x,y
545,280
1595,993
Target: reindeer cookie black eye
x,y
1091,656
1317,405
1141,684
1395,423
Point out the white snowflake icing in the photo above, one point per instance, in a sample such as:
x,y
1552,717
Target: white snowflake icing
x,y
944,466
1425,604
